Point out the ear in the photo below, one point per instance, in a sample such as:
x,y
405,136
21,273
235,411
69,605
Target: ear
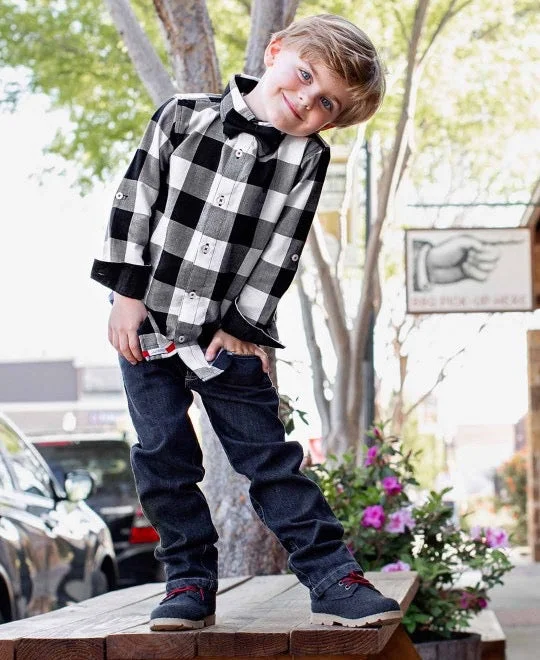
x,y
271,51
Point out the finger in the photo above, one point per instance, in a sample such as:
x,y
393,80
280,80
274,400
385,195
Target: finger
x,y
135,345
264,360
487,253
212,350
482,264
113,338
124,349
473,272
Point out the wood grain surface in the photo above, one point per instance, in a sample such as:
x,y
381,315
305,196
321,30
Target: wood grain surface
x,y
264,616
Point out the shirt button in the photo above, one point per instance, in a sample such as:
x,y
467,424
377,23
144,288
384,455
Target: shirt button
x,y
238,153
192,294
294,257
220,200
181,339
119,195
205,248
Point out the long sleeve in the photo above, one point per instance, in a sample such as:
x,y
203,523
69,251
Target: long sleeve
x,y
124,265
251,316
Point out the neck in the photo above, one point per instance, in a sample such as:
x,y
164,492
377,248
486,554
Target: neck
x,y
255,103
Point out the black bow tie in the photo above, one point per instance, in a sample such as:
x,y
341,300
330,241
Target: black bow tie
x,y
235,123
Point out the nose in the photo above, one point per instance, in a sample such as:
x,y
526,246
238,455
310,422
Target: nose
x,y
305,100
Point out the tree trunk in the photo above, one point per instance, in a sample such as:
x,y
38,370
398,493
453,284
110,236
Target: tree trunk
x,y
146,61
266,18
191,44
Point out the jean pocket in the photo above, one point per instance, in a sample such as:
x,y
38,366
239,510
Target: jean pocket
x,y
243,370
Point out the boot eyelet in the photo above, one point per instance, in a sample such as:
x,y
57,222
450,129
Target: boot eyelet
x,y
340,583
347,587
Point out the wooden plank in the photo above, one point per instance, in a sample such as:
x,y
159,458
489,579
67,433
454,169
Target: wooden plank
x,y
237,600
399,646
73,635
308,639
493,644
81,632
238,612
80,649
12,633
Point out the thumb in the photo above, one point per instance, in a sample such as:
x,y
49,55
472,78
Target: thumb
x,y
212,350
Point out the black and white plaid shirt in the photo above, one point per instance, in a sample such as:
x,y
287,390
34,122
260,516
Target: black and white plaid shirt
x,y
207,229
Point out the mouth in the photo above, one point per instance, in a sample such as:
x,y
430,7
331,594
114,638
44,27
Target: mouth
x,y
291,107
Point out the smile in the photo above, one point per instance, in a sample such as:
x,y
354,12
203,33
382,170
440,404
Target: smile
x,y
291,107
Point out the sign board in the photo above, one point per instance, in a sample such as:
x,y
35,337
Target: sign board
x,y
468,270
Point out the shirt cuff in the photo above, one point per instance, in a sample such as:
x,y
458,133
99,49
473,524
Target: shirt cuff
x,y
126,279
236,324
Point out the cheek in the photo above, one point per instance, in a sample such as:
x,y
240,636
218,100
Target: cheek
x,y
287,79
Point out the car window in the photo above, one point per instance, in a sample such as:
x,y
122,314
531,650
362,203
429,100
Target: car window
x,y
107,461
29,473
5,478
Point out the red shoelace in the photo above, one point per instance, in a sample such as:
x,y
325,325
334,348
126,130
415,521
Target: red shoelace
x,y
356,578
173,592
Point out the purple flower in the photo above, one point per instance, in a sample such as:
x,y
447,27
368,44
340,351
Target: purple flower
x,y
399,521
476,533
371,456
464,600
496,537
481,603
396,567
373,516
391,485
377,433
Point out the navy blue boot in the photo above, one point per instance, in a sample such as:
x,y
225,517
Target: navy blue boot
x,y
354,602
185,608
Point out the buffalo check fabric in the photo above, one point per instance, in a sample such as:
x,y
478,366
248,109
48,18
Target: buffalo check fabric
x,y
207,229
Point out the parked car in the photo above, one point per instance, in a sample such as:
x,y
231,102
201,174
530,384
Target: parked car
x,y
107,457
54,550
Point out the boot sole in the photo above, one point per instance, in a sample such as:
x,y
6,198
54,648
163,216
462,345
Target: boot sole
x,y
381,619
181,624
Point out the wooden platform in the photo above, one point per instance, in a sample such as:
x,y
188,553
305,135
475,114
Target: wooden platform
x,y
256,616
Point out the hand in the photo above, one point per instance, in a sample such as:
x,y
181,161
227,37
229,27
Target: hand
x,y
223,340
126,316
460,257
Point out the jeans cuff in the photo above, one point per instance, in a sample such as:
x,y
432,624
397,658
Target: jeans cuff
x,y
335,575
206,583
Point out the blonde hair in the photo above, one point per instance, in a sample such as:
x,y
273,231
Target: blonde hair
x,y
346,50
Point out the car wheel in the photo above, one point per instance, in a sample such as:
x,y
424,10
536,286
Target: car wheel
x,y
100,584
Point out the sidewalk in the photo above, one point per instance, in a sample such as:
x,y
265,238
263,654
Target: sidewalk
x,y
517,606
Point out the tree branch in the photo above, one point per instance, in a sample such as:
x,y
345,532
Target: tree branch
x,y
146,61
317,369
442,372
448,14
388,190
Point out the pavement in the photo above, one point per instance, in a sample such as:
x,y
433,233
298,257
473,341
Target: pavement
x,y
517,606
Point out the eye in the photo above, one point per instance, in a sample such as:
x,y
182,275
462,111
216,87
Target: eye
x,y
305,75
327,104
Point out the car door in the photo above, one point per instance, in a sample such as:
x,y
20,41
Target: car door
x,y
64,532
27,508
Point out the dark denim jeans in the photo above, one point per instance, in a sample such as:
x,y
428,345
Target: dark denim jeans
x,y
242,405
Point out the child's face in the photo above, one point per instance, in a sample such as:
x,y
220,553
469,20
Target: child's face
x,y
299,97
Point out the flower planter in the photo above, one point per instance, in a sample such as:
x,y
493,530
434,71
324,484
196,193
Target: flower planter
x,y
461,646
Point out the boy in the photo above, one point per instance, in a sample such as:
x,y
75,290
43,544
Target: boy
x,y
204,239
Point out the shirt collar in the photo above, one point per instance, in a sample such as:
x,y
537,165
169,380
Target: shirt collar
x,y
234,110
233,99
